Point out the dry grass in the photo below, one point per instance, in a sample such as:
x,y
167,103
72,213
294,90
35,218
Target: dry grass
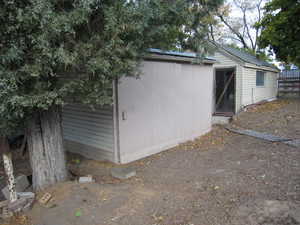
x,y
18,220
268,106
215,138
59,191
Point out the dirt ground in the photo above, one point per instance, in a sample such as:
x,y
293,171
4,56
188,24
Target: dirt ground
x,y
219,179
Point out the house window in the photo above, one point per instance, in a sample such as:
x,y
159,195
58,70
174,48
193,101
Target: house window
x,y
260,78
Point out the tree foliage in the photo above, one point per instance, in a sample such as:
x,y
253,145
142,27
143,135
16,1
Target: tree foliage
x,y
281,29
53,51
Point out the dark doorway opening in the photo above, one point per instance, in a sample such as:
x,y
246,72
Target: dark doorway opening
x,y
225,91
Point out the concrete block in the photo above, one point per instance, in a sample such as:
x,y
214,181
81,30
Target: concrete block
x,y
45,198
123,173
88,179
25,194
220,120
21,184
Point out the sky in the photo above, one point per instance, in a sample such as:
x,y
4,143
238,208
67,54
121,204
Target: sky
x,y
252,16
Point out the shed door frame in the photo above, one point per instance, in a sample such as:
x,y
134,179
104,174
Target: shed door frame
x,y
117,155
234,68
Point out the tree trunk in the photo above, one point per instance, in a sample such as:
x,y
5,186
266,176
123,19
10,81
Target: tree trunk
x,y
45,145
9,169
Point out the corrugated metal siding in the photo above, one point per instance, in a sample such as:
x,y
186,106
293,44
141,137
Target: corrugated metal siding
x,y
90,129
251,93
225,62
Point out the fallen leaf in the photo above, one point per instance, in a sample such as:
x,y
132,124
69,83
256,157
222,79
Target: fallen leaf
x,y
78,213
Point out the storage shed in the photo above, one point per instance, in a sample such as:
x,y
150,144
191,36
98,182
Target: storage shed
x,y
170,103
241,79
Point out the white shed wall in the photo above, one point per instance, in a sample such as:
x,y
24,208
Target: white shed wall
x,y
169,104
223,61
252,93
89,132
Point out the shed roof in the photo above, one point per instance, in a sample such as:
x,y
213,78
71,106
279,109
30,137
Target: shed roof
x,y
180,56
245,56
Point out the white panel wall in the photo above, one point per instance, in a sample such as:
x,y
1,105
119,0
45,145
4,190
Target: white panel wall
x,y
169,104
223,61
253,94
89,132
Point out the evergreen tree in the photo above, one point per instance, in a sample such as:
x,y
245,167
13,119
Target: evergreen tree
x,y
54,52
281,30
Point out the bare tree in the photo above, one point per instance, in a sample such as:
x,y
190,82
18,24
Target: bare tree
x,y
239,19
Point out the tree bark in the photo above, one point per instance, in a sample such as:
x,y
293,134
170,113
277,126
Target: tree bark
x,y
46,150
8,167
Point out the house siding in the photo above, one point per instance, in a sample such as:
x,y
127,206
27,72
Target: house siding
x,y
252,93
246,90
89,132
223,61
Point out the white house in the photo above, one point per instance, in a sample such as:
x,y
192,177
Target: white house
x,y
172,102
241,79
